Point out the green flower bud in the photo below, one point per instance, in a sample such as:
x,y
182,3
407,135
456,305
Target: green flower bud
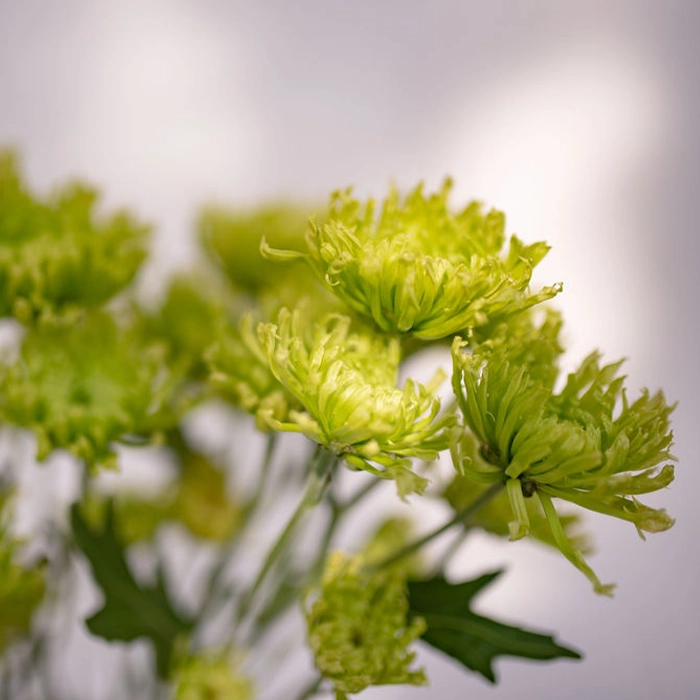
x,y
358,627
586,444
418,268
346,382
83,387
57,257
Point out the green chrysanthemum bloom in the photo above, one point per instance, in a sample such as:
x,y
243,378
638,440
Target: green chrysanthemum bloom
x,y
419,268
57,257
586,444
346,382
239,370
83,387
358,627
210,677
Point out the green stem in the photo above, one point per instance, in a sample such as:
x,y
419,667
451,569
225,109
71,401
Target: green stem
x,y
452,549
338,510
359,495
266,463
209,600
461,518
311,689
319,479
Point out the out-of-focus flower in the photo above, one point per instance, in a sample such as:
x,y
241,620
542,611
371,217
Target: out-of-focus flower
x,y
202,503
586,444
210,677
239,371
21,588
232,240
189,321
83,387
418,268
56,256
345,380
358,627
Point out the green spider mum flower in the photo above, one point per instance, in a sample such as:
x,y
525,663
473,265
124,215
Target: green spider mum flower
x,y
346,382
83,387
586,444
418,268
57,257
358,627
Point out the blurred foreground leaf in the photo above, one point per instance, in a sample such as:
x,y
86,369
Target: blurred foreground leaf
x,y
471,639
130,610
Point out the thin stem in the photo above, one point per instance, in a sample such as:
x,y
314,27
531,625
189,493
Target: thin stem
x,y
461,518
311,689
359,495
452,549
266,463
209,601
338,510
319,479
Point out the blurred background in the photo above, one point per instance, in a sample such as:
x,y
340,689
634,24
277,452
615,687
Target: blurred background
x,y
579,120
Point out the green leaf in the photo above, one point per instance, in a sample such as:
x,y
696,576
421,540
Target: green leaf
x,y
473,640
130,610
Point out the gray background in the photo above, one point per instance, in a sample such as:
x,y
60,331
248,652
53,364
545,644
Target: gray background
x,y
578,119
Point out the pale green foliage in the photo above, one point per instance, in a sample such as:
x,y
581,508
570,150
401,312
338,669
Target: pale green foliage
x,y
232,240
190,320
586,444
210,677
56,256
346,381
419,268
21,588
82,387
358,627
198,500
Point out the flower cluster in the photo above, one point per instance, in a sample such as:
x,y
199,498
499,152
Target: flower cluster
x,y
586,444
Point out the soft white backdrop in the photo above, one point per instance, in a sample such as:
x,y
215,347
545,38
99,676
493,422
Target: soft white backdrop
x,y
578,119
